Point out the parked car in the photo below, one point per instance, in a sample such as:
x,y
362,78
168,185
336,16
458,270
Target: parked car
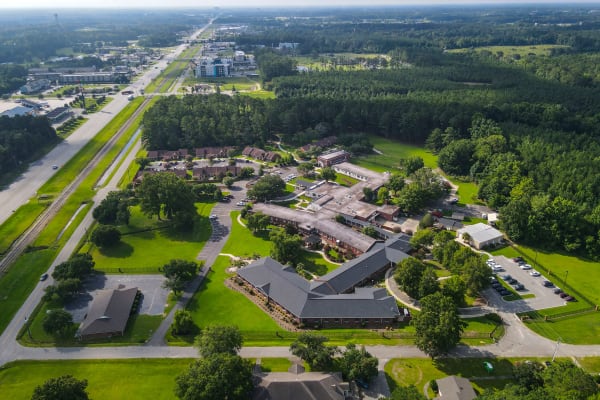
x,y
557,290
533,272
504,292
519,286
497,268
55,167
547,284
525,267
506,277
518,259
512,281
563,295
570,298
43,277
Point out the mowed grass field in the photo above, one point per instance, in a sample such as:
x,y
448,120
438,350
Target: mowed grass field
x,y
583,276
392,151
419,371
147,244
135,379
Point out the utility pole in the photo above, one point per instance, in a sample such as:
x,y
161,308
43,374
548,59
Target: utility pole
x,y
28,329
566,276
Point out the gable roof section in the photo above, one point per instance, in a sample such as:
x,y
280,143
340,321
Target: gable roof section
x,y
355,271
455,388
481,232
109,312
303,386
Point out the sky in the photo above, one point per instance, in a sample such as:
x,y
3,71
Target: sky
x,y
57,4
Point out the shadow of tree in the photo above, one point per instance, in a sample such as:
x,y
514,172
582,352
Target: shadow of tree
x,y
121,250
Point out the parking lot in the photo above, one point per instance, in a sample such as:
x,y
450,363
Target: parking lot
x,y
544,296
154,296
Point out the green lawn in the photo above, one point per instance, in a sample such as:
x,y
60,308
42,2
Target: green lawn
x,y
590,364
137,379
243,243
216,304
145,250
393,151
274,364
418,372
583,329
18,223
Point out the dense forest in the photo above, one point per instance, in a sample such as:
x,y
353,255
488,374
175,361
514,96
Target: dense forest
x,y
30,37
525,127
21,140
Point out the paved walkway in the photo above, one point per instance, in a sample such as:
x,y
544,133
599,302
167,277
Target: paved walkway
x,y
221,227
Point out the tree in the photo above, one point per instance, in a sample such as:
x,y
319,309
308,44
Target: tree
x,y
219,340
285,248
426,221
78,266
369,231
328,174
438,326
258,222
567,381
422,238
143,162
358,364
408,275
457,157
63,291
369,194
228,181
305,168
113,209
455,288
395,183
165,194
429,282
183,323
219,376
311,348
105,236
64,387
267,187
475,274
57,323
179,273
411,164
406,393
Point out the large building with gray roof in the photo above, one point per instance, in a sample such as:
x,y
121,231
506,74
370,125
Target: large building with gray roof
x,y
336,299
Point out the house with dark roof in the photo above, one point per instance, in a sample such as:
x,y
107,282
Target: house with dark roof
x,y
331,158
455,388
335,299
108,314
296,384
59,114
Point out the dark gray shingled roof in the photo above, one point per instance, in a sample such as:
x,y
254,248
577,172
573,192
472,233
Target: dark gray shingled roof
x,y
325,298
109,312
351,273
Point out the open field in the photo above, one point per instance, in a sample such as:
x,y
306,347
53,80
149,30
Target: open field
x,y
147,244
418,372
137,379
393,151
511,51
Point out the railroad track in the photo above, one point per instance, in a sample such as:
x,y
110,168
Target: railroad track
x,y
19,245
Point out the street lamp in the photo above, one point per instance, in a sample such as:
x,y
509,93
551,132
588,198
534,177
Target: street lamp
x,y
566,275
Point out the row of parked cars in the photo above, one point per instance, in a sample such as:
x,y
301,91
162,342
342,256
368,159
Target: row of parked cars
x,y
546,283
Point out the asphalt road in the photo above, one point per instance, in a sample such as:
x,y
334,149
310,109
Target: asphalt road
x,y
26,186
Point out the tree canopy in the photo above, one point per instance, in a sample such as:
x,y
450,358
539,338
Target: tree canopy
x,y
219,339
179,273
64,387
311,348
438,326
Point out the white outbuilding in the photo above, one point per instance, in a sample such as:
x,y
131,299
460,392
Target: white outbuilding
x,y
480,235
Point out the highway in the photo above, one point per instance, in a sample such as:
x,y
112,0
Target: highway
x,y
38,173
